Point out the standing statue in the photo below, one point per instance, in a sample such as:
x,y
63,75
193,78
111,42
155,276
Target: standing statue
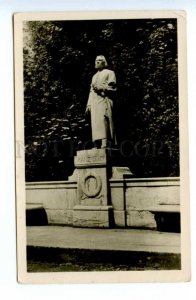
x,y
100,103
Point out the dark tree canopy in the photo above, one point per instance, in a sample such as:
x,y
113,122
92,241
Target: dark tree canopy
x,y
58,67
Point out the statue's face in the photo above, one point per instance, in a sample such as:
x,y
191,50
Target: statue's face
x,y
99,63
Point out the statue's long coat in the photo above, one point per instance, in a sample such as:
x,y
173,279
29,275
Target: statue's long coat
x,y
101,104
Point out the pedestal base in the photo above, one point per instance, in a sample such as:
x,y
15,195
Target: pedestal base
x,y
92,216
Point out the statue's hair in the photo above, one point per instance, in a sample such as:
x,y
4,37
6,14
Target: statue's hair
x,y
104,60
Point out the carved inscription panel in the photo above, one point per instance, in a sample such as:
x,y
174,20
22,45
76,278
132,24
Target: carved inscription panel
x,y
92,157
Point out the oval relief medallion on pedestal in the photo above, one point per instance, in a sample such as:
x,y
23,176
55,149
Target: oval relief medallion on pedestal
x,y
91,185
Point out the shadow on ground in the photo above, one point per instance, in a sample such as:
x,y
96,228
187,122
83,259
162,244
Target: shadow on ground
x,y
40,259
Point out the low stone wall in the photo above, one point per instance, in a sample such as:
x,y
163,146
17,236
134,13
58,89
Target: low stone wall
x,y
134,201
57,198
142,198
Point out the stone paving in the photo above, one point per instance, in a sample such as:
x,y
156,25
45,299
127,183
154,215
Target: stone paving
x,y
103,239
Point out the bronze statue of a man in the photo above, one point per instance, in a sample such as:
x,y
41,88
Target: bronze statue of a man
x,y
100,103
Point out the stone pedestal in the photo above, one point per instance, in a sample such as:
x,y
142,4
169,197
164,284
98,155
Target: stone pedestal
x,y
93,206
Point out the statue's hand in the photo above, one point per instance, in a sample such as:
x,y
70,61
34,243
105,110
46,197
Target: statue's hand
x,y
99,89
95,88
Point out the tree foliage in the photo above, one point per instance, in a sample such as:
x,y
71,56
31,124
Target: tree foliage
x,y
58,67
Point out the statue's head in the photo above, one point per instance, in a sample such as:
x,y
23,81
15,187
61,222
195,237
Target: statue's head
x,y
100,62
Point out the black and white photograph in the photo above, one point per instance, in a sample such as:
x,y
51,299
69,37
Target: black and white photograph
x,y
101,147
